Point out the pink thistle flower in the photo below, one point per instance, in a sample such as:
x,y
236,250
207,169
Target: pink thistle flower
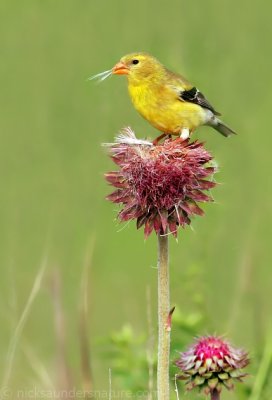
x,y
210,364
160,186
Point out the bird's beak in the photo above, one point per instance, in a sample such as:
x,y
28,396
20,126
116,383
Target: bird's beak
x,y
120,69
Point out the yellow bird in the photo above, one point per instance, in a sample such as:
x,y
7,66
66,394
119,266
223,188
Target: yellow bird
x,y
165,99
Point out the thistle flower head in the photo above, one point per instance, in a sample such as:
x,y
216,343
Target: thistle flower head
x,y
160,186
212,363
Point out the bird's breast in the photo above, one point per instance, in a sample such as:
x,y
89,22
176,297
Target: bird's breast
x,y
149,103
142,98
164,111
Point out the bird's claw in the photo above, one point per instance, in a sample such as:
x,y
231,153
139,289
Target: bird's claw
x,y
156,141
185,134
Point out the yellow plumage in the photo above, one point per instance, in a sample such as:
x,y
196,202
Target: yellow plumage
x,y
165,99
161,108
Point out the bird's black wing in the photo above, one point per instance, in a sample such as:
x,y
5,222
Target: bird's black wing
x,y
195,96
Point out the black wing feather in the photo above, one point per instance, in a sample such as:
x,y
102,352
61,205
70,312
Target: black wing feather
x,y
195,96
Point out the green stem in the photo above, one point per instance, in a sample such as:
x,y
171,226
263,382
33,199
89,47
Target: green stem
x,y
263,370
215,395
163,313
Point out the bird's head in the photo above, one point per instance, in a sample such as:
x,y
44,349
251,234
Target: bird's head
x,y
138,66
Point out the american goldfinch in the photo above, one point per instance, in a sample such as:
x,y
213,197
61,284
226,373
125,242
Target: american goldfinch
x,y
165,99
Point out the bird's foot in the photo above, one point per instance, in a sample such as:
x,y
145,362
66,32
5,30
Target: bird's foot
x,y
156,141
184,134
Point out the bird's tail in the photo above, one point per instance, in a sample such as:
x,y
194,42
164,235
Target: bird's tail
x,y
222,128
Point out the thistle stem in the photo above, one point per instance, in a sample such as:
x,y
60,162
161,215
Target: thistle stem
x,y
215,395
163,314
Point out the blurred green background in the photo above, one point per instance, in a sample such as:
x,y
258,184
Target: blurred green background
x,y
52,206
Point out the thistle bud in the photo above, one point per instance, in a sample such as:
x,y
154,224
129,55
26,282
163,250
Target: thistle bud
x,y
211,364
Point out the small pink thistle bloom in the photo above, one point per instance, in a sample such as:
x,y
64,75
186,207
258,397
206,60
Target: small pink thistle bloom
x,y
160,186
212,363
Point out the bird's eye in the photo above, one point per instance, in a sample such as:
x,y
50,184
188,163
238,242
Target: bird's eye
x,y
135,62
